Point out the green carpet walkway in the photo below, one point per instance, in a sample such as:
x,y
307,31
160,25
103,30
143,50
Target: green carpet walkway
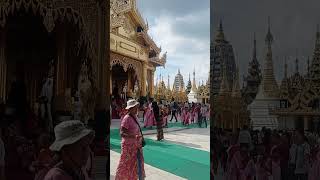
x,y
182,161
178,124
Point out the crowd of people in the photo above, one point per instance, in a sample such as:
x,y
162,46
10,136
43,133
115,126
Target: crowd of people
x,y
265,154
34,154
131,164
159,112
31,149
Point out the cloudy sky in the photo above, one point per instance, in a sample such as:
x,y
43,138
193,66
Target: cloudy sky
x,y
182,28
293,25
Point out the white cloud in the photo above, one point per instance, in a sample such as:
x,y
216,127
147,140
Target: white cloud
x,y
184,51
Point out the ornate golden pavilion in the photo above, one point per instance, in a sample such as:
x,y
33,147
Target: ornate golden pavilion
x,y
62,42
134,55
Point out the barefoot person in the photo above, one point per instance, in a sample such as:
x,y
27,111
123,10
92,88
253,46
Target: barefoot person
x,y
131,165
73,145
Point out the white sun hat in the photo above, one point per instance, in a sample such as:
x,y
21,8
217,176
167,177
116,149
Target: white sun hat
x,y
69,132
132,103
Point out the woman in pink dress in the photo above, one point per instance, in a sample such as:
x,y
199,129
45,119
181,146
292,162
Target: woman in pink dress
x,y
186,116
149,119
131,164
241,166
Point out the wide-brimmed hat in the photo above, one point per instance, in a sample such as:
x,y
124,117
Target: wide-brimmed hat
x,y
69,132
132,103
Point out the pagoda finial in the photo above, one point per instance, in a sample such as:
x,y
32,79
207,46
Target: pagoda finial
x,y
318,35
297,62
254,47
194,86
220,26
285,67
168,81
269,37
189,77
308,65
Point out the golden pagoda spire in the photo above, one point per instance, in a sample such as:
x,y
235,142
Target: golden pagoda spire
x,y
308,66
269,82
194,85
254,47
285,68
318,35
297,62
169,82
220,33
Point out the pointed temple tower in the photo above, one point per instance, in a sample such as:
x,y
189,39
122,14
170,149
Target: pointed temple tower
x,y
267,98
189,86
253,80
269,82
221,54
178,83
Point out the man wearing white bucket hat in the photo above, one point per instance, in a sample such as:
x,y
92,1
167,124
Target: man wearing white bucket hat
x,y
72,143
131,164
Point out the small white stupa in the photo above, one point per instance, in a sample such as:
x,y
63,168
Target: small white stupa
x,y
192,96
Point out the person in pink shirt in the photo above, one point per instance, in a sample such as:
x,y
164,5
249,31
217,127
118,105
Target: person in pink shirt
x,y
149,119
241,166
186,116
131,164
72,143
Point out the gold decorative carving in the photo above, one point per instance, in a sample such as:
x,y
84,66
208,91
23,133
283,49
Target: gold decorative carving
x,y
126,63
128,47
112,41
127,26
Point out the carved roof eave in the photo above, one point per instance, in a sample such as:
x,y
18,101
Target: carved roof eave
x,y
158,61
137,17
149,41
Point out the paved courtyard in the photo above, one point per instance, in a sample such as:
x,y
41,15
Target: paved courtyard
x,y
193,146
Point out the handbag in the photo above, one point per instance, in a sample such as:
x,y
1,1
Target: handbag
x,y
143,141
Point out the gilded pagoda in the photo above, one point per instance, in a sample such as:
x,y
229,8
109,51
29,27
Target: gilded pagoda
x,y
134,55
299,95
221,54
228,107
253,79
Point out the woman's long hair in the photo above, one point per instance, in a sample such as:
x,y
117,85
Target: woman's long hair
x,y
156,110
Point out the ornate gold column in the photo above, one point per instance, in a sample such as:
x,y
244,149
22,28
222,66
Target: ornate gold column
x,y
152,84
3,67
143,79
129,83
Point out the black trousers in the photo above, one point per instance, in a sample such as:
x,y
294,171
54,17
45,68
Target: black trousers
x,y
174,114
